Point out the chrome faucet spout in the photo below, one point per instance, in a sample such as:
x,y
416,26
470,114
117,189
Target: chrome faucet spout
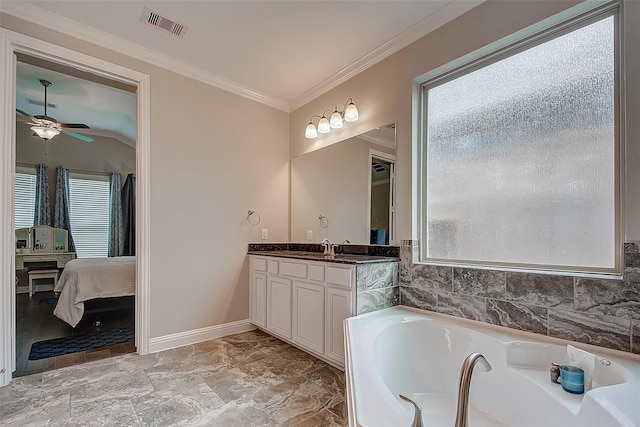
x,y
465,383
326,244
417,415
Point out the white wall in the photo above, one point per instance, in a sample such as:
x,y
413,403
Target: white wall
x,y
201,184
383,93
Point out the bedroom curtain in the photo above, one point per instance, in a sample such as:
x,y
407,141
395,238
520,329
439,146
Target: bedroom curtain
x,y
42,212
62,218
116,237
129,214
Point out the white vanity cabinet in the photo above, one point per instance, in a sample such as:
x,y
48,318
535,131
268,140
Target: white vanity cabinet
x,y
308,315
340,305
279,306
303,302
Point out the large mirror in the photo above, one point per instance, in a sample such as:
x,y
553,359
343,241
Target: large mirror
x,y
345,191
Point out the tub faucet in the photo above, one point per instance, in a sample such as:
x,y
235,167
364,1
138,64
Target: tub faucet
x,y
417,416
465,382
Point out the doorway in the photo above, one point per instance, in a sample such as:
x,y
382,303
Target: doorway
x,y
15,44
90,160
382,198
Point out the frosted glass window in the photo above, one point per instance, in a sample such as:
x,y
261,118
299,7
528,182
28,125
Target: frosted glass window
x,y
89,212
520,157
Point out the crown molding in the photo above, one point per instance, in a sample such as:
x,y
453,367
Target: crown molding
x,y
34,14
430,23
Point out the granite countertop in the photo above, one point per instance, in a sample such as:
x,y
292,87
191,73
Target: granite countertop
x,y
345,254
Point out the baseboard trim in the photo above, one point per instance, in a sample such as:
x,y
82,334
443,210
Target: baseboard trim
x,y
168,342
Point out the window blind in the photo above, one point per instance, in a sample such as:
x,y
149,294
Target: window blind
x,y
89,212
24,203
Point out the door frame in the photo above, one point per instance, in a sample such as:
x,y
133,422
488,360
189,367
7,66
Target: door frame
x,y
10,44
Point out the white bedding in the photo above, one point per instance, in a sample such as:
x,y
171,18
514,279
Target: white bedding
x,y
88,278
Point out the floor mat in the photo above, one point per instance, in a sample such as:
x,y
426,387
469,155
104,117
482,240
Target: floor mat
x,y
48,301
76,343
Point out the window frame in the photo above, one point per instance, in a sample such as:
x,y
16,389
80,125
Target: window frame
x,y
532,36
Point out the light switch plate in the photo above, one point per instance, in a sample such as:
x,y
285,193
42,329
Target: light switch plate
x,y
309,234
265,233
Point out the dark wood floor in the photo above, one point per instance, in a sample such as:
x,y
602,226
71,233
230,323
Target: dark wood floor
x,y
36,322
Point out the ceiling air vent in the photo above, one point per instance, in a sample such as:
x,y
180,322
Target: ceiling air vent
x,y
155,19
378,167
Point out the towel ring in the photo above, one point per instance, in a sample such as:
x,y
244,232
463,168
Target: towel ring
x,y
324,221
250,213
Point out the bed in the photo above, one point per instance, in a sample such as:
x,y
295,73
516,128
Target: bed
x,y
86,279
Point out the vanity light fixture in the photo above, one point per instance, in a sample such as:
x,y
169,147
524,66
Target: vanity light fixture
x,y
348,114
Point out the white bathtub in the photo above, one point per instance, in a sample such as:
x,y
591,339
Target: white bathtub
x,y
419,354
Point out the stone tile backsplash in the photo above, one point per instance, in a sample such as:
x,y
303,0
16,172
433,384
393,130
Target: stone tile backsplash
x,y
603,312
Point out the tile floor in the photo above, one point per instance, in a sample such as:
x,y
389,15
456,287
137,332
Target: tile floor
x,y
248,379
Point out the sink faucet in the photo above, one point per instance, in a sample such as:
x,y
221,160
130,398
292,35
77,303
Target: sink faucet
x,y
465,382
328,249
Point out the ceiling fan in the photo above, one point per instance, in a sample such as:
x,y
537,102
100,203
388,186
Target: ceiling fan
x,y
47,127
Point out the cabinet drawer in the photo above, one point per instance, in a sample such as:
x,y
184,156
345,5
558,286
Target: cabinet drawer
x,y
293,269
316,272
259,264
339,276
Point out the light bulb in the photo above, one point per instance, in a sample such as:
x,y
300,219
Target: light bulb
x,y
336,119
323,125
351,113
310,131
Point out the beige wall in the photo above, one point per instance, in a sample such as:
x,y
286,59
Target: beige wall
x,y
202,184
383,93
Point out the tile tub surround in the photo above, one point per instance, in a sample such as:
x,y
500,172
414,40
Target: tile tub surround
x,y
378,286
603,312
247,379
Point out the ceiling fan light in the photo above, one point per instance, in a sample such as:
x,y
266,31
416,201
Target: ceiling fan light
x,y
323,125
44,132
336,120
351,113
311,131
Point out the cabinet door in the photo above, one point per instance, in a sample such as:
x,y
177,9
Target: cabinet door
x,y
258,298
339,307
279,306
308,315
